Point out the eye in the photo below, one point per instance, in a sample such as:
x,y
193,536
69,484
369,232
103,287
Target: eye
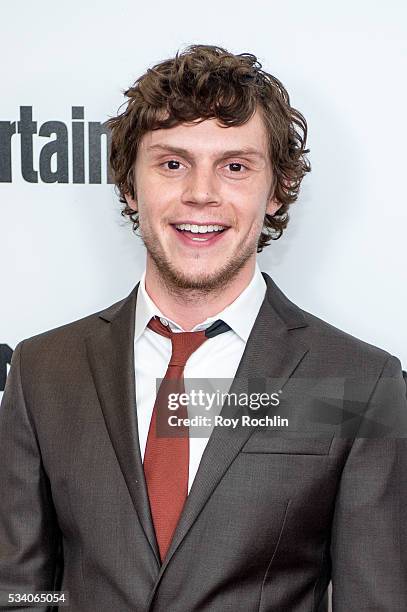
x,y
236,167
172,164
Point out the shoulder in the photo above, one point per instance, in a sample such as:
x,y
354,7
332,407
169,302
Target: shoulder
x,y
331,349
324,332
68,338
316,331
339,353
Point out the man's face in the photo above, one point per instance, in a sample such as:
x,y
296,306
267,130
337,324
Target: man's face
x,y
193,177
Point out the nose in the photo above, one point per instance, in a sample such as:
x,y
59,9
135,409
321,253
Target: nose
x,y
201,187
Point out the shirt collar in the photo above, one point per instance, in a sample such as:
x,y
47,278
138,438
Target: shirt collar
x,y
239,315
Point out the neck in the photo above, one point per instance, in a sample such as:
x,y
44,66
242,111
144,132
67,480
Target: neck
x,y
188,307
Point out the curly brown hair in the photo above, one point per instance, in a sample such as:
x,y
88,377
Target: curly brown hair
x,y
207,82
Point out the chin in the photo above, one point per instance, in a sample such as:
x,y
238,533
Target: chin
x,y
199,280
187,277
199,274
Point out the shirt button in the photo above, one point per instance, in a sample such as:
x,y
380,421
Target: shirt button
x,y
163,321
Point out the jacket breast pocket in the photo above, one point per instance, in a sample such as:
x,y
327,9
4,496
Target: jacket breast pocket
x,y
293,444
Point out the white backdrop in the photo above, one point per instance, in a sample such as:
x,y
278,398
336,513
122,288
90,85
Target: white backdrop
x,y
67,252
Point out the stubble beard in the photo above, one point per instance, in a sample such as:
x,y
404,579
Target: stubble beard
x,y
176,282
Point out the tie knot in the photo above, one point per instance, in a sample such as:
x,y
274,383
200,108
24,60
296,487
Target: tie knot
x,y
183,343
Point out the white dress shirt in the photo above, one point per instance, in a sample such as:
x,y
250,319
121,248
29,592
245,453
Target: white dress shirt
x,y
217,358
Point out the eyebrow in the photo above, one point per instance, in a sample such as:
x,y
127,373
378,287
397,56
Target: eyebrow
x,y
245,151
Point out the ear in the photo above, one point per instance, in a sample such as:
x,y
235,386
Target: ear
x,y
272,206
131,202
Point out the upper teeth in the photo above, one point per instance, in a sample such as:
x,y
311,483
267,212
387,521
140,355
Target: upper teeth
x,y
199,229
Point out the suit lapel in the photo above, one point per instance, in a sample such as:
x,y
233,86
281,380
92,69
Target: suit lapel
x,y
273,351
111,358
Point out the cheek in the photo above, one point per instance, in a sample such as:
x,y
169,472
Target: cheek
x,y
250,213
151,205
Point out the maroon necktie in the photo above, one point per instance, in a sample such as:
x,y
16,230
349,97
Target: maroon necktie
x,y
166,457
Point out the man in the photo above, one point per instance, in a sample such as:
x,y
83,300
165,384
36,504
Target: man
x,y
208,156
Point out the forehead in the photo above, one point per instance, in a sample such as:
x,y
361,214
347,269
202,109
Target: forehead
x,y
209,137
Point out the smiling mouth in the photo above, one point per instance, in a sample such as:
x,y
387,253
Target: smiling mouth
x,y
199,233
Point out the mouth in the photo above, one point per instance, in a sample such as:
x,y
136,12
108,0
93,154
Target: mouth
x,y
199,235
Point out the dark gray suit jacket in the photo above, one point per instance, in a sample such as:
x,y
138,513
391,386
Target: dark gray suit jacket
x,y
270,519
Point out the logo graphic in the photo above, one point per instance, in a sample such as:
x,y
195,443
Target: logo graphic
x,y
63,144
6,354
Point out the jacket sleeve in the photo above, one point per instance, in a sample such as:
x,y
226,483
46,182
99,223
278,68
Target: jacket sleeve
x,y
30,540
368,545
